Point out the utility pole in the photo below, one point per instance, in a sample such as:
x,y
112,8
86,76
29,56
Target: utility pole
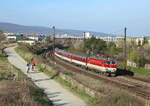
x,y
53,34
84,40
125,49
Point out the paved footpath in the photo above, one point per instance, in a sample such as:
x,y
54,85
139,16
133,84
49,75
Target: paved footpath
x,y
55,92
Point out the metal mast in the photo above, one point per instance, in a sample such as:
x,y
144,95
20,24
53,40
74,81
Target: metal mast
x,y
125,49
84,41
53,34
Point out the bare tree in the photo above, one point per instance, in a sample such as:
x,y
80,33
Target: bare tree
x,y
2,38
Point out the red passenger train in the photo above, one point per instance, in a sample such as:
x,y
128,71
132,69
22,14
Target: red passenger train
x,y
104,65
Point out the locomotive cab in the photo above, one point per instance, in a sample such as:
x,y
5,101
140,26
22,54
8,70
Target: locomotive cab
x,y
110,65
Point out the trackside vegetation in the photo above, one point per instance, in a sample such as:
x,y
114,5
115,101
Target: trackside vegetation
x,y
137,71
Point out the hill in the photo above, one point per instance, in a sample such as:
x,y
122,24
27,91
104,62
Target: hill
x,y
15,28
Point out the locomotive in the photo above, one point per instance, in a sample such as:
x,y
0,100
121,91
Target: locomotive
x,y
101,65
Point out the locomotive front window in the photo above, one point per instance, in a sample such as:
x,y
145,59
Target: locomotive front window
x,y
113,62
107,62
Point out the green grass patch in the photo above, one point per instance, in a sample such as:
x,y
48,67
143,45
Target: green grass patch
x,y
140,71
5,72
22,50
3,58
69,74
40,68
41,97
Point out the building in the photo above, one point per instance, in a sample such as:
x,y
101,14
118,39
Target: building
x,y
112,39
148,41
108,39
8,33
11,37
35,37
19,37
30,42
65,36
140,41
87,35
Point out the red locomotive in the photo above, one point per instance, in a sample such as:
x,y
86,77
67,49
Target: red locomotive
x,y
104,65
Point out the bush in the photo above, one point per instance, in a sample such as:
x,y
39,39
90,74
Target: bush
x,y
5,75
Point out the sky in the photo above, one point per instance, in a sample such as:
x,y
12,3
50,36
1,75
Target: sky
x,y
108,16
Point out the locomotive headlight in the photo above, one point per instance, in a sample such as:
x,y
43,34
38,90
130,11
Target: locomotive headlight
x,y
114,69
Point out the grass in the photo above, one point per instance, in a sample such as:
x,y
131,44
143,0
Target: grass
x,y
120,99
139,71
49,73
41,97
21,51
4,68
69,74
15,93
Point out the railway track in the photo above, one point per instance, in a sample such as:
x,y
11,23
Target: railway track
x,y
139,79
135,86
136,81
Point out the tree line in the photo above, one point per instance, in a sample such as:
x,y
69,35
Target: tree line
x,y
138,54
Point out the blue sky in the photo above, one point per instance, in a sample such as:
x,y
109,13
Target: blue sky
x,y
109,16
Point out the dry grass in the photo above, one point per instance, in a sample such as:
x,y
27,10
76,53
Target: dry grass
x,y
14,93
15,89
114,96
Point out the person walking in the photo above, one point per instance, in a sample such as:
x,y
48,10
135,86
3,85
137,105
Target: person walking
x,y
33,65
28,67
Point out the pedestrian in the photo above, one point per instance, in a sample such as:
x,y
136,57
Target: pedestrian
x,y
28,67
33,65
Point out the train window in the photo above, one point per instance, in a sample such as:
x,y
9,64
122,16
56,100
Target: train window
x,y
107,62
113,62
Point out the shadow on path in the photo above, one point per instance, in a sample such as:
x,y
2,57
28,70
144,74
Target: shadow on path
x,y
57,74
53,96
46,79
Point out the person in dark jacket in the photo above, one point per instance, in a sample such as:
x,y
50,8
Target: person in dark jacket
x,y
28,67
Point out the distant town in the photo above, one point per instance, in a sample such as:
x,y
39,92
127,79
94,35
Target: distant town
x,y
32,38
